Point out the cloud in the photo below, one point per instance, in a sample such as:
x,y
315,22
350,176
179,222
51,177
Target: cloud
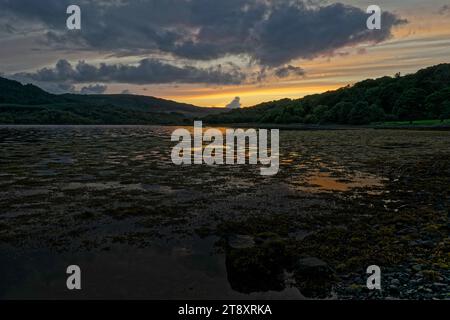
x,y
271,33
284,72
59,87
94,89
362,51
444,10
299,32
147,71
7,28
235,104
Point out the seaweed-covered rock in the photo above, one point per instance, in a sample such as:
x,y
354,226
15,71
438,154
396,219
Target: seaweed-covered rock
x,y
314,278
241,241
256,268
313,267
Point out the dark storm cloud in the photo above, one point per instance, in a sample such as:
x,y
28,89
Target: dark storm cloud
x,y
284,72
147,71
445,9
271,33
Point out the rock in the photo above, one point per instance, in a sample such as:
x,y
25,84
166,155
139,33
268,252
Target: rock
x,y
241,242
265,237
312,266
254,269
430,275
312,262
417,267
395,282
314,278
393,290
427,244
439,285
413,243
299,235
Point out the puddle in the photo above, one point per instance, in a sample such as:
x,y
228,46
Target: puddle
x,y
326,182
124,272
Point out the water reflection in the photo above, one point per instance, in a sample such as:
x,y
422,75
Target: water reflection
x,y
325,181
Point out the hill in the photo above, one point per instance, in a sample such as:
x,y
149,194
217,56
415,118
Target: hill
x,y
28,104
419,96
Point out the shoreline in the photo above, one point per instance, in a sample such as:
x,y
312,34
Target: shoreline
x,y
296,127
331,127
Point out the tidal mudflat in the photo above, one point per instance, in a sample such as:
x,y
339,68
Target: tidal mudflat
x,y
110,200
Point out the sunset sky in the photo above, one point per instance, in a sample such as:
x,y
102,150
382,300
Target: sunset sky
x,y
207,52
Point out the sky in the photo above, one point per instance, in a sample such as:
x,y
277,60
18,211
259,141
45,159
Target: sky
x,y
217,53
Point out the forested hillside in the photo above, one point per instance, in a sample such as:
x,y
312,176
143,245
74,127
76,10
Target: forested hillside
x,y
419,96
28,104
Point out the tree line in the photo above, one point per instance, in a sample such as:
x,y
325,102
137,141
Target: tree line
x,y
420,96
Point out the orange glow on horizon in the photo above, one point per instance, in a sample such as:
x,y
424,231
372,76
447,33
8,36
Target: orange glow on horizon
x,y
421,43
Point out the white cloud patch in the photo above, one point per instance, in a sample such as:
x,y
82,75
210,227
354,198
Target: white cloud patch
x,y
234,104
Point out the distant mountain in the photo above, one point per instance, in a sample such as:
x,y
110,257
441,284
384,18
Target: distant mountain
x,y
419,96
14,92
28,104
141,103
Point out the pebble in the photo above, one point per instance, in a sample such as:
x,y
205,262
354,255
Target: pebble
x,y
417,267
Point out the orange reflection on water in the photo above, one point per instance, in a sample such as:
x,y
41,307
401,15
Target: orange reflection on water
x,y
322,181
